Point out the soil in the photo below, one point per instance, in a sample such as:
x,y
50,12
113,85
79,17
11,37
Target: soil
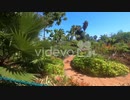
x,y
84,80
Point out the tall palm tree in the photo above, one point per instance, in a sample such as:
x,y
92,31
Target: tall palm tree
x,y
58,35
85,25
76,30
73,30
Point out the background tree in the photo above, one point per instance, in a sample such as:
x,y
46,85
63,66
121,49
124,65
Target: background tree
x,y
85,25
77,32
72,31
53,17
57,35
95,37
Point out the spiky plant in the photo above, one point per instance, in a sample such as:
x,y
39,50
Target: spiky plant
x,y
30,24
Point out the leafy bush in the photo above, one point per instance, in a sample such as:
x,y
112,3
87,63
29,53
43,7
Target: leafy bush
x,y
122,47
49,65
96,66
56,67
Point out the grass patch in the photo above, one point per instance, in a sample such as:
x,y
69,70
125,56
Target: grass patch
x,y
18,76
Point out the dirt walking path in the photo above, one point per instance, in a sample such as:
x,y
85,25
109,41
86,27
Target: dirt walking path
x,y
84,80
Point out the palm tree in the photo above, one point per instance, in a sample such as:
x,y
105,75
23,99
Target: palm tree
x,y
51,17
85,25
57,35
72,31
21,37
76,30
95,37
30,25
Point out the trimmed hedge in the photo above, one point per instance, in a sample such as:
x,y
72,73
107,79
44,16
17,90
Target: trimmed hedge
x,y
95,66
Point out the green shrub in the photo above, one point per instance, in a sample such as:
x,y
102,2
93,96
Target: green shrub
x,y
49,65
97,66
56,67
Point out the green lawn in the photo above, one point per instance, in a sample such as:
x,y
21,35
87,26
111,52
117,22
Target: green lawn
x,y
14,75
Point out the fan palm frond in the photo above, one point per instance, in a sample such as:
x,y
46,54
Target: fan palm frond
x,y
30,24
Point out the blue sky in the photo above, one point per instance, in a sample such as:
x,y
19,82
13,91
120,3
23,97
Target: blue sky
x,y
99,22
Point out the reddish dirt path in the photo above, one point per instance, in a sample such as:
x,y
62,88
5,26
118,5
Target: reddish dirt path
x,y
85,80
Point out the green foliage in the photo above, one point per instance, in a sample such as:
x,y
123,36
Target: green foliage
x,y
16,75
21,37
23,44
52,17
96,66
122,37
45,44
56,67
8,20
30,24
49,65
5,46
57,36
23,40
122,47
115,43
76,30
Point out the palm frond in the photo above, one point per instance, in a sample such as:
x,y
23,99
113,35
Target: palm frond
x,y
24,44
30,24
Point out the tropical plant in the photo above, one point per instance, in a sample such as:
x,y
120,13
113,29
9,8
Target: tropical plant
x,y
76,30
57,36
29,26
8,20
48,65
95,66
85,25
